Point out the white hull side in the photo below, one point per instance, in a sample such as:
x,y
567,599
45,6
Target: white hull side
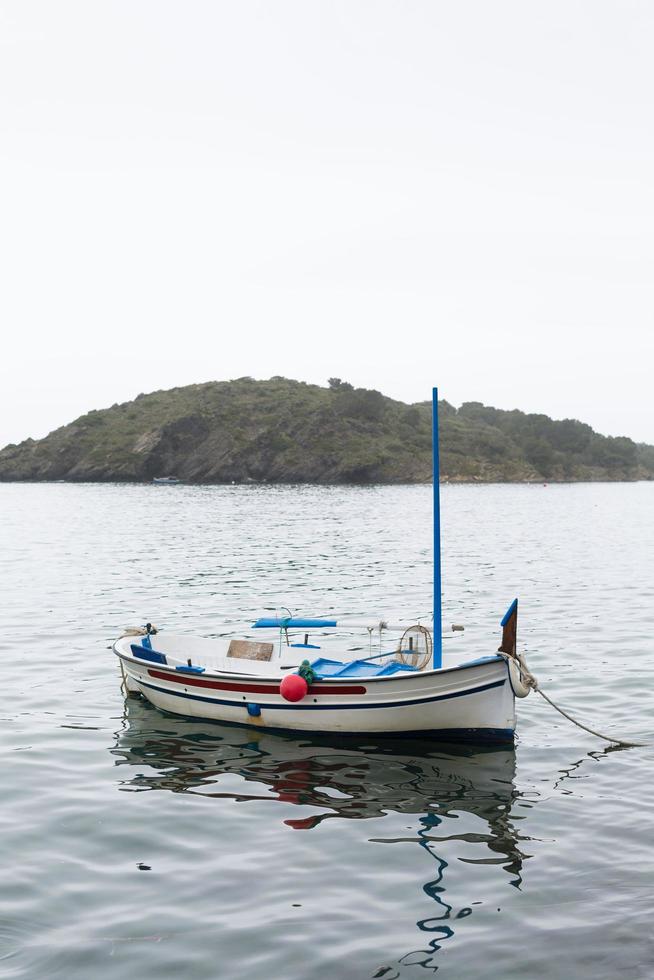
x,y
467,701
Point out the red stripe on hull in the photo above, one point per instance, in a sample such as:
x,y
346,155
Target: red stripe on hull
x,y
272,688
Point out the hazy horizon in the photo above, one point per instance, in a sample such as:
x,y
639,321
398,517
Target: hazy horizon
x,y
397,194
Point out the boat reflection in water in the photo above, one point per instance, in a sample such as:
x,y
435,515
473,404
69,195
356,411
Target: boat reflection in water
x,y
368,780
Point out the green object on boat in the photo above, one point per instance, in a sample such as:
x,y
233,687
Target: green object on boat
x,y
306,670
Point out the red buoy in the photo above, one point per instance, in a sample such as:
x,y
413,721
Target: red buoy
x,y
293,687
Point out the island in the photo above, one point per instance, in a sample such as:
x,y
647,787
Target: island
x,y
286,431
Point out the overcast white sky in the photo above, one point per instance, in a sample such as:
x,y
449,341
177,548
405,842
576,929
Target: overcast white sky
x,y
396,193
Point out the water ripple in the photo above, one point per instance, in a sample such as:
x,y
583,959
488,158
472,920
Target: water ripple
x,y
138,844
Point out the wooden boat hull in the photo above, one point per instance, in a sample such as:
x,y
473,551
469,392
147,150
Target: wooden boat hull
x,y
472,701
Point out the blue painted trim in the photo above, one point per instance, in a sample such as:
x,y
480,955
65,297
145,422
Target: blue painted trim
x,y
477,736
287,706
291,623
492,658
480,736
438,617
152,656
510,611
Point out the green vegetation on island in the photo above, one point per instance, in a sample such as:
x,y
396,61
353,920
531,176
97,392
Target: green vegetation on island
x,y
283,431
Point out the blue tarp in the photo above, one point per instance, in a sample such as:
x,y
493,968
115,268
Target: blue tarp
x,y
357,668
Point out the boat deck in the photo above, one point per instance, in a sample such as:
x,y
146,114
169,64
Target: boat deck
x,y
210,655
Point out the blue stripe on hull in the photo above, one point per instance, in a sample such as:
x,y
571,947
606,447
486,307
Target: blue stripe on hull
x,y
476,736
287,706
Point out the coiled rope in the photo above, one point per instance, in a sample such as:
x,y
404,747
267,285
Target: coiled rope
x,y
531,683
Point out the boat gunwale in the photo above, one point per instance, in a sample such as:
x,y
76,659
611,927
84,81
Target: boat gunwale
x,y
219,674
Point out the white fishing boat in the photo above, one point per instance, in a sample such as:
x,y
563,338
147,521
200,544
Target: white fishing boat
x,y
304,677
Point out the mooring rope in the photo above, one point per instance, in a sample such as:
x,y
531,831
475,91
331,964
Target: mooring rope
x,y
607,738
530,681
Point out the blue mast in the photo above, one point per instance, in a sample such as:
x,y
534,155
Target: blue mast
x,y
438,626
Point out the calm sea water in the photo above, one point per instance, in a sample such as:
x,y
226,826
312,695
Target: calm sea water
x,y
133,844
